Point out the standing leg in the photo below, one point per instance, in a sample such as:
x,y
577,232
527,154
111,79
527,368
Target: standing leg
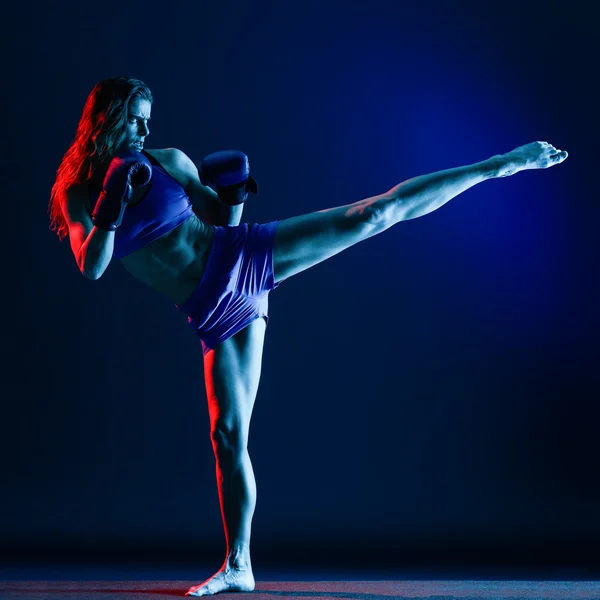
x,y
232,373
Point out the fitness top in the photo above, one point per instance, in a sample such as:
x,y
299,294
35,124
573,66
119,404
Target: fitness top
x,y
164,206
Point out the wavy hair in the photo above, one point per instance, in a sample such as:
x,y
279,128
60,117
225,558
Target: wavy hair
x,y
101,130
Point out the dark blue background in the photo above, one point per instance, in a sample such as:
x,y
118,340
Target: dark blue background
x,y
428,395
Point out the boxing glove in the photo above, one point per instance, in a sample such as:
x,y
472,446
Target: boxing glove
x,y
228,172
127,170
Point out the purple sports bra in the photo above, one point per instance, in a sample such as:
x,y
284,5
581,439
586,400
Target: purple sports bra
x,y
164,206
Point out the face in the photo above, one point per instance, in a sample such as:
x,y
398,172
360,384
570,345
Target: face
x,y
137,124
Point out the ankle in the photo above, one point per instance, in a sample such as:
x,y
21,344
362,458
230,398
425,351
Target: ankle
x,y
239,557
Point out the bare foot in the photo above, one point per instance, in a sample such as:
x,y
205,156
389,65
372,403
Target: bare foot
x,y
537,155
227,579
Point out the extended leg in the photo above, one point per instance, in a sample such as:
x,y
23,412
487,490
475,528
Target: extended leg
x,y
232,373
306,240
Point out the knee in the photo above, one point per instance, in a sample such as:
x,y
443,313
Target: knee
x,y
374,215
381,213
359,222
229,440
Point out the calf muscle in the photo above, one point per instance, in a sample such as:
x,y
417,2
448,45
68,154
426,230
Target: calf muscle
x,y
421,195
304,241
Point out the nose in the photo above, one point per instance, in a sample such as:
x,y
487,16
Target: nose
x,y
143,129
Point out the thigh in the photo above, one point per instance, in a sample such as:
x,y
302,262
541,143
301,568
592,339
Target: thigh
x,y
232,374
304,241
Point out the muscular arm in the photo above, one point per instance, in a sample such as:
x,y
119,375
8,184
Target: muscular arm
x,y
92,247
205,201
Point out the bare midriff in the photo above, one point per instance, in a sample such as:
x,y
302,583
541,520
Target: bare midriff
x,y
174,263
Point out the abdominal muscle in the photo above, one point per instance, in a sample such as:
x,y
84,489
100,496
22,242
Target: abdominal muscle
x,y
174,263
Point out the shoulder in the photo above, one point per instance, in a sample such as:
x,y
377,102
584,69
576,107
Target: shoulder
x,y
177,164
172,157
182,168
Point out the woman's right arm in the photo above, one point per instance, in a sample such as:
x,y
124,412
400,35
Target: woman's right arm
x,y
91,246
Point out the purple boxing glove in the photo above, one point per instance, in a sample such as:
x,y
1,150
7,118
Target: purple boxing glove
x,y
127,170
228,172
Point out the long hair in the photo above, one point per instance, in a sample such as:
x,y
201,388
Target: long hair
x,y
101,130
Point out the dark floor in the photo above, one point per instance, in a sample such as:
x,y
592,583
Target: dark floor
x,y
97,582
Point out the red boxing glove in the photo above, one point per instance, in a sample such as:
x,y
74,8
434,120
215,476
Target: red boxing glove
x,y
127,170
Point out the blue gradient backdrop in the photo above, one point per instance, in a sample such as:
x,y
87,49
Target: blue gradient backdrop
x,y
429,395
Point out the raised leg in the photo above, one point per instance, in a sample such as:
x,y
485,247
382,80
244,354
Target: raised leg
x,y
306,240
232,374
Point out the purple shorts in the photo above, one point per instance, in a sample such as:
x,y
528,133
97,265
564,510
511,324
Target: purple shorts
x,y
234,288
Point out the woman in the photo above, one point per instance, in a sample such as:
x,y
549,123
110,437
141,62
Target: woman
x,y
155,211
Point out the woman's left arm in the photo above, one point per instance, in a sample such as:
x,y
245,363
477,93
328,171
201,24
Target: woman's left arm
x,y
205,202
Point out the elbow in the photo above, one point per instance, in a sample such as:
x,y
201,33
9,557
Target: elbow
x,y
92,274
91,271
233,214
94,271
